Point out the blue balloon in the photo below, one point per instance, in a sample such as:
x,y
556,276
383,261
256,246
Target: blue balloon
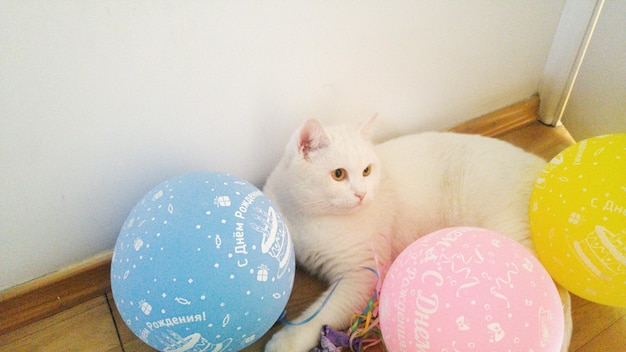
x,y
204,262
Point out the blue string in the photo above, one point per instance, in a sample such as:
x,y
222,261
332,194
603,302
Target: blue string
x,y
319,309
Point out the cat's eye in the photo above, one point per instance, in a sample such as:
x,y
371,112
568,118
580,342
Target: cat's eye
x,y
367,171
339,174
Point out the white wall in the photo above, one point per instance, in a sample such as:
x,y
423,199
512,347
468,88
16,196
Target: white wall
x,y
102,100
597,104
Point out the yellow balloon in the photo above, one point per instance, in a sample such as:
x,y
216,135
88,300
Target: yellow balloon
x,y
578,219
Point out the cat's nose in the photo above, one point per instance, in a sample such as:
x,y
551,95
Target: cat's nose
x,y
360,195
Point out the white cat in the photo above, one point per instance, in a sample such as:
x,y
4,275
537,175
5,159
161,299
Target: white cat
x,y
342,197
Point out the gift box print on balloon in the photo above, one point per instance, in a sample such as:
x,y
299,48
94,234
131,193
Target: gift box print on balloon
x,y
578,219
204,262
469,289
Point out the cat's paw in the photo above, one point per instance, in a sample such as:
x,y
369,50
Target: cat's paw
x,y
293,339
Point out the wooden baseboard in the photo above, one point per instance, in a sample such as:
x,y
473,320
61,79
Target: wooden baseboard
x,y
54,293
44,297
504,120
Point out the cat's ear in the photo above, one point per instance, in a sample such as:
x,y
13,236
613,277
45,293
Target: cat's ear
x,y
366,127
312,137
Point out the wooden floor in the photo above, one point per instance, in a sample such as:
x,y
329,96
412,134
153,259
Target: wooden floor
x,y
96,325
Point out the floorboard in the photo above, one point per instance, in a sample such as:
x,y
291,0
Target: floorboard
x,y
85,327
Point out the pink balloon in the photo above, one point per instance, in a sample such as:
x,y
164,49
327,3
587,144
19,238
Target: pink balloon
x,y
469,289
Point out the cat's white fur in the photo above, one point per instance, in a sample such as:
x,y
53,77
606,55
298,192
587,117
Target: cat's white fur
x,y
417,184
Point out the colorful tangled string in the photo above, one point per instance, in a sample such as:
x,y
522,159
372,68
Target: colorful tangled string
x,y
365,325
363,333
